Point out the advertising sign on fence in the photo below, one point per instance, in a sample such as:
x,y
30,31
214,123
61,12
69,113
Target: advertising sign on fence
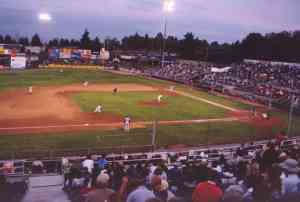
x,y
18,62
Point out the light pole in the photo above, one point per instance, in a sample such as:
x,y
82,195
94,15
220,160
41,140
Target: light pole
x,y
294,103
168,7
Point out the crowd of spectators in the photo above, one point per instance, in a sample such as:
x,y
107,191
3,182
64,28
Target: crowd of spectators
x,y
266,174
261,79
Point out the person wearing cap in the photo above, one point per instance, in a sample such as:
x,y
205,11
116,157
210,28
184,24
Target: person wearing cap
x,y
102,193
290,183
207,192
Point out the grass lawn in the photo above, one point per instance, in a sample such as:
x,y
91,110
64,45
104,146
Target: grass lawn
x,y
129,103
193,135
23,78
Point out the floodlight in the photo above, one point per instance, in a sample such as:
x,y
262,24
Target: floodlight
x,y
168,6
44,17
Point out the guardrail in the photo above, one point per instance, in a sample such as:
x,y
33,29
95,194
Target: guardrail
x,y
50,154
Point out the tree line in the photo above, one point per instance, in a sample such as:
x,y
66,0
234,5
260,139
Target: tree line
x,y
283,46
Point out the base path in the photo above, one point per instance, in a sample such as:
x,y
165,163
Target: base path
x,y
206,101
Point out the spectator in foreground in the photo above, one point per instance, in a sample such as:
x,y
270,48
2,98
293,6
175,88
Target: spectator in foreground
x,y
88,163
140,192
160,189
102,193
207,192
290,183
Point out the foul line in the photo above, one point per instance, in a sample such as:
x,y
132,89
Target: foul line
x,y
206,101
120,124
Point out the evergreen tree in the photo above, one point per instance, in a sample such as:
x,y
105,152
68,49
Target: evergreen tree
x,y
36,41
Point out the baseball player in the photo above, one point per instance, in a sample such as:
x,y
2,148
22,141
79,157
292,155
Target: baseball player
x,y
127,122
115,90
30,90
159,97
98,109
86,83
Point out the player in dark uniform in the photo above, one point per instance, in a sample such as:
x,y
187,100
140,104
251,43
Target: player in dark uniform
x,y
115,90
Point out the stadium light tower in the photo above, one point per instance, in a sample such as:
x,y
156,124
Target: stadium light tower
x,y
168,7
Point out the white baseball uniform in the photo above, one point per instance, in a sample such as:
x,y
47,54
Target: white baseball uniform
x,y
30,89
86,83
159,98
98,109
127,121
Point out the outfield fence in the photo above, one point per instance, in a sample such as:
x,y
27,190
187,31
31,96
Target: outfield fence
x,y
51,154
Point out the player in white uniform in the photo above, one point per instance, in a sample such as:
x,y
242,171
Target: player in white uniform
x,y
86,83
127,121
98,109
30,90
159,98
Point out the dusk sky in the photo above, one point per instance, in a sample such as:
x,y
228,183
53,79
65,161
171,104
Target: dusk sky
x,y
221,20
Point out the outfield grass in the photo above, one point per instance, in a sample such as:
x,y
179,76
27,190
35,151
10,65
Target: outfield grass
x,y
129,103
45,77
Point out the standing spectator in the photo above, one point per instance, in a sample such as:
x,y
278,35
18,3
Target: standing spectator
x,y
290,183
269,157
102,162
88,163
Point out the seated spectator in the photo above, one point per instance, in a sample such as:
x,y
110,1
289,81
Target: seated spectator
x,y
101,193
207,191
234,193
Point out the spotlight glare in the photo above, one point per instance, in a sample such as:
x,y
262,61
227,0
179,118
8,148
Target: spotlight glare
x,y
168,6
45,17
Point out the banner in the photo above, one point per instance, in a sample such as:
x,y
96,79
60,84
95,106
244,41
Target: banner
x,y
54,53
34,49
104,55
1,50
76,54
18,62
65,53
86,54
220,70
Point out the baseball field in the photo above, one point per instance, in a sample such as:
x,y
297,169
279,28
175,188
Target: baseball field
x,y
59,114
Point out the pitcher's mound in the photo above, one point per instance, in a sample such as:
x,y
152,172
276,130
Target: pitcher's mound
x,y
153,103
